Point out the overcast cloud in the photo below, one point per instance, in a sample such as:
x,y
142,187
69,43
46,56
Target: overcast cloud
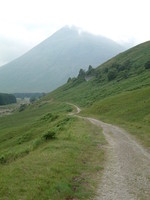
x,y
25,23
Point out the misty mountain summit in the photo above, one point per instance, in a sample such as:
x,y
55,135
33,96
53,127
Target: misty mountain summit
x,y
49,64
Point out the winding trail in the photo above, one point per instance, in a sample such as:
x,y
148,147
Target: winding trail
x,y
127,172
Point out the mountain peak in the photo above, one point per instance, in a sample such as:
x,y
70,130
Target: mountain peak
x,y
49,64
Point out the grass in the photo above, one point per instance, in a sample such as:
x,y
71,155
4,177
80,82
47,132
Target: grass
x,y
129,110
64,167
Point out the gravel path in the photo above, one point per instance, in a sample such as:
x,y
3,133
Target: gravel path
x,y
127,171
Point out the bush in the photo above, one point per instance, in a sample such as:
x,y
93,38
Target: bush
x,y
2,159
121,68
49,135
63,123
49,117
112,74
147,65
105,70
69,110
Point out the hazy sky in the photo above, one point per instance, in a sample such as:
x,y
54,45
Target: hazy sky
x,y
25,23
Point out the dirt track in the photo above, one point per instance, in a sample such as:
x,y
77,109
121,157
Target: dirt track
x,y
127,171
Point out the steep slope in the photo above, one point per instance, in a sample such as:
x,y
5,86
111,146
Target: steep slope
x,y
49,64
124,99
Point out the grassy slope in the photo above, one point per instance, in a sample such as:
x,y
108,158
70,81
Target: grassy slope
x,y
62,168
138,55
131,110
121,101
66,167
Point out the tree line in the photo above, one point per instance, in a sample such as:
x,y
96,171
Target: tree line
x,y
7,99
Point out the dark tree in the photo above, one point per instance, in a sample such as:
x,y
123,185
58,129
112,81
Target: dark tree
x,y
81,74
90,70
69,79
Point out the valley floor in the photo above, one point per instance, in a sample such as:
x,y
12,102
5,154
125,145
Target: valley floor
x,y
127,172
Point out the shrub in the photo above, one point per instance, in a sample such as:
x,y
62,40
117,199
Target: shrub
x,y
112,74
2,159
147,65
49,117
105,70
121,68
49,135
61,124
69,109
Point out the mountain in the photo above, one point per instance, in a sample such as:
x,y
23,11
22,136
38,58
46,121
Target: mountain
x,y
49,64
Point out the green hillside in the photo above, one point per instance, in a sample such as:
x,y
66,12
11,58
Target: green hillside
x,y
124,99
131,110
47,154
